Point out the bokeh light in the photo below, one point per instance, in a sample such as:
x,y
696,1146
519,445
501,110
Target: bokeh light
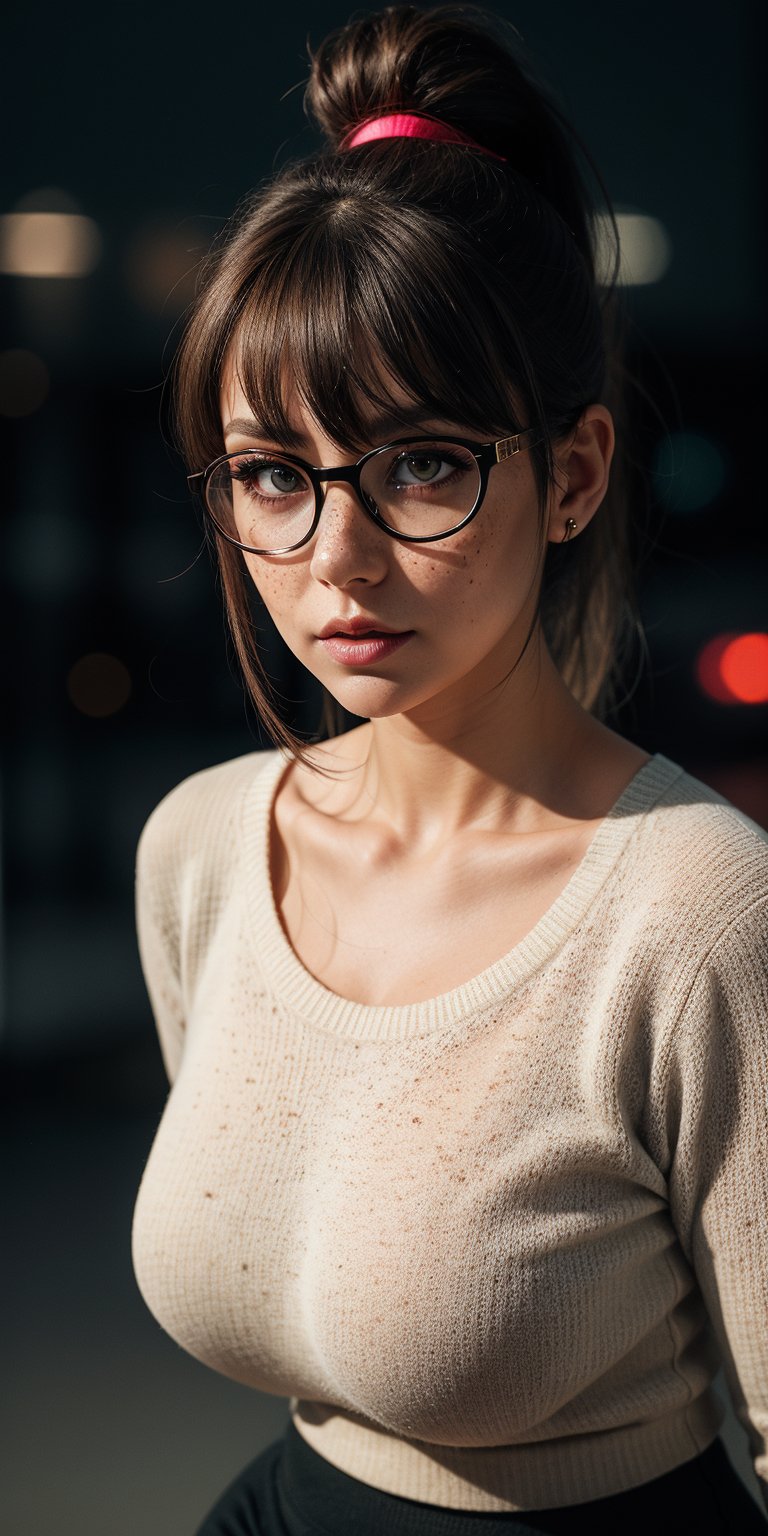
x,y
645,249
24,382
689,471
733,668
744,667
99,684
47,244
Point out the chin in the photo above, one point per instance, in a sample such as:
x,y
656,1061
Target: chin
x,y
371,698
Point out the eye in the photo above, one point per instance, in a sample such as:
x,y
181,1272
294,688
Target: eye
x,y
426,468
270,478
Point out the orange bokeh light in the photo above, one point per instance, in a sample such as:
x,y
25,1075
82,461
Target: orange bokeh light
x,y
733,668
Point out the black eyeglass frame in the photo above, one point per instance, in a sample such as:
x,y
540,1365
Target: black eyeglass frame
x,y
487,456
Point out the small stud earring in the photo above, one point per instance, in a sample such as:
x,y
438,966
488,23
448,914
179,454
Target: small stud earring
x,y
570,527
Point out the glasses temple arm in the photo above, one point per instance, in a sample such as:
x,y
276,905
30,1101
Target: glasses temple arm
x,y
506,447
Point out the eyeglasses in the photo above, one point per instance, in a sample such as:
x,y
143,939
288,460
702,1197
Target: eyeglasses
x,y
416,489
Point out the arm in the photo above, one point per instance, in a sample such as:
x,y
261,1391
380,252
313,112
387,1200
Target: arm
x,y
716,1130
157,927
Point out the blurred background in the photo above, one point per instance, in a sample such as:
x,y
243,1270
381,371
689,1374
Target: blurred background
x,y
133,131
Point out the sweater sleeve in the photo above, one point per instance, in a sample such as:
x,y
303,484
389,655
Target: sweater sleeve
x,y
157,927
716,1135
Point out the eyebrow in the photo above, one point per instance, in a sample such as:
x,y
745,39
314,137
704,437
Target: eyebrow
x,y
380,427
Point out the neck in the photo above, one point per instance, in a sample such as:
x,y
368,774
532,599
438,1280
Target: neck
x,y
511,759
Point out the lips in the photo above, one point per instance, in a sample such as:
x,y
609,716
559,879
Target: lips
x,y
354,628
362,651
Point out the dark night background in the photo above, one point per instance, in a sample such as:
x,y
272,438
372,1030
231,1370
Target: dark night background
x,y
154,121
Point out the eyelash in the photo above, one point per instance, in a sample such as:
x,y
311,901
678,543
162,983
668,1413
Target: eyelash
x,y
246,473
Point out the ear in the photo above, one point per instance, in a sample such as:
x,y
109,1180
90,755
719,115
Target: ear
x,y
583,462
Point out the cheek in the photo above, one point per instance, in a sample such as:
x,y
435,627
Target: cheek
x,y
281,591
511,544
487,558
277,587
499,566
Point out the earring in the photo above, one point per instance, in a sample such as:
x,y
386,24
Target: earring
x,y
570,527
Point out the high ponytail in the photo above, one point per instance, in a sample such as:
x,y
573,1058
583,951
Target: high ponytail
x,y
450,63
470,280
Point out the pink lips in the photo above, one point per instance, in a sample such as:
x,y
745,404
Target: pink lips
x,y
361,650
357,624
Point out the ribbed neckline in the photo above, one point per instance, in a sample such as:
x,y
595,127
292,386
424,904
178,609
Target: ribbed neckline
x,y
291,981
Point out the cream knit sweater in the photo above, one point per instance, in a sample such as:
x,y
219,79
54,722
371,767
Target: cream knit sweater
x,y
493,1246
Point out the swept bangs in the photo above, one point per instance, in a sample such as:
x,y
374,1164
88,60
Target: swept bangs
x,y
347,299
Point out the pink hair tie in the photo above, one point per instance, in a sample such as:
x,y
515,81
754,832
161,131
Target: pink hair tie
x,y
411,125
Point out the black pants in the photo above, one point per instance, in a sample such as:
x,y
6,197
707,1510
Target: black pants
x,y
289,1490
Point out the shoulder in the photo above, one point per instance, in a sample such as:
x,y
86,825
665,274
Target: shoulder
x,y
198,816
690,815
703,861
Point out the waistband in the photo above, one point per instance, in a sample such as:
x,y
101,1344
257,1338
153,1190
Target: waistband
x,y
332,1502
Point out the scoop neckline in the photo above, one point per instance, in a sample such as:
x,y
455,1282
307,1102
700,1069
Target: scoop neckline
x,y
289,979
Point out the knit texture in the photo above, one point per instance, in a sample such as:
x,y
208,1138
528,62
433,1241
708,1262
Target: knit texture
x,y
493,1246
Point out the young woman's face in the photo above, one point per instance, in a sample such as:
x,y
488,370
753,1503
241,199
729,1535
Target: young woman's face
x,y
466,601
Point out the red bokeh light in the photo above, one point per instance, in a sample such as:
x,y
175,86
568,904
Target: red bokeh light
x,y
733,668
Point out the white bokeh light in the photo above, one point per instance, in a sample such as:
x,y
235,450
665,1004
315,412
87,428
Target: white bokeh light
x,y
645,249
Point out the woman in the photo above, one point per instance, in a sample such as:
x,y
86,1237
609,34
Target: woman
x,y
466,1149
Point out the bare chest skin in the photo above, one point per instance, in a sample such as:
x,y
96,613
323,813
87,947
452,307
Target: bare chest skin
x,y
381,928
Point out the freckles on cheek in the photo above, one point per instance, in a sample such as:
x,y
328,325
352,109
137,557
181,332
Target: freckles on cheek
x,y
271,585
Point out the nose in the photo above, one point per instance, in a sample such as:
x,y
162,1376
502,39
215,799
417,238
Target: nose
x,y
347,547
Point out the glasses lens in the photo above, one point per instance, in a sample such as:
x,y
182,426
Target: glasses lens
x,y
422,488
261,499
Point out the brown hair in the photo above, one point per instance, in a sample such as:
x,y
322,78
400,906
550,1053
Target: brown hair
x,y
472,281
